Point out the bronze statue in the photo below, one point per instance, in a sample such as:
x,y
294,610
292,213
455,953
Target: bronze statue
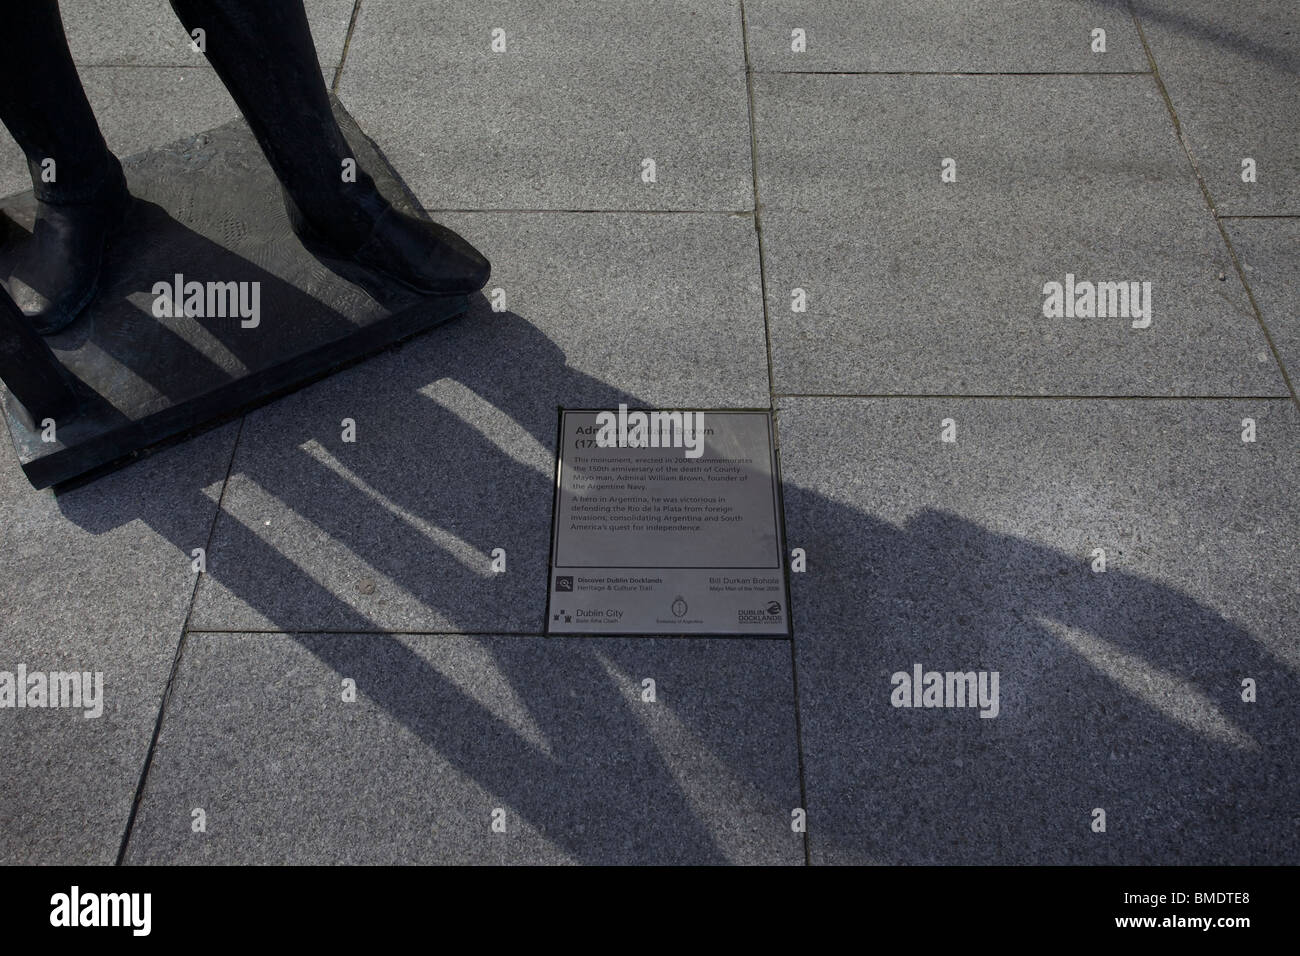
x,y
264,54
101,391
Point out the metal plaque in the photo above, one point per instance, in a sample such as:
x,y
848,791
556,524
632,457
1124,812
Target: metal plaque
x,y
667,522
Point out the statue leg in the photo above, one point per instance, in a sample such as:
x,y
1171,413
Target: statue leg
x,y
82,196
264,54
31,372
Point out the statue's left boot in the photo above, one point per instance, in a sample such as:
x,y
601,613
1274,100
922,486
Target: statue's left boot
x,y
423,256
264,54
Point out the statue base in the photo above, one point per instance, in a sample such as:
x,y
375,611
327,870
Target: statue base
x,y
208,306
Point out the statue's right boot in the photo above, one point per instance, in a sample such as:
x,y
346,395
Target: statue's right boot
x,y
80,191
56,272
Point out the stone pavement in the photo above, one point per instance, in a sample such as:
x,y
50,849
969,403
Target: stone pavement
x,y
776,170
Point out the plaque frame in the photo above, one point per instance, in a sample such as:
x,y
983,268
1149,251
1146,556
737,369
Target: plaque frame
x,y
778,504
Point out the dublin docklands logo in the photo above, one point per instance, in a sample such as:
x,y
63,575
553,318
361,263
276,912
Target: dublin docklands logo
x,y
768,614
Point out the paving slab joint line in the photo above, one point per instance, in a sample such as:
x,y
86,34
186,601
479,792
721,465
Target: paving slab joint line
x,y
794,659
1053,398
255,633
347,43
1209,201
955,72
618,210
290,631
176,659
81,64
771,392
758,205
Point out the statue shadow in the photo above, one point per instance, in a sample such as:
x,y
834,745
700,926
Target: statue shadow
x,y
1117,691
1169,16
